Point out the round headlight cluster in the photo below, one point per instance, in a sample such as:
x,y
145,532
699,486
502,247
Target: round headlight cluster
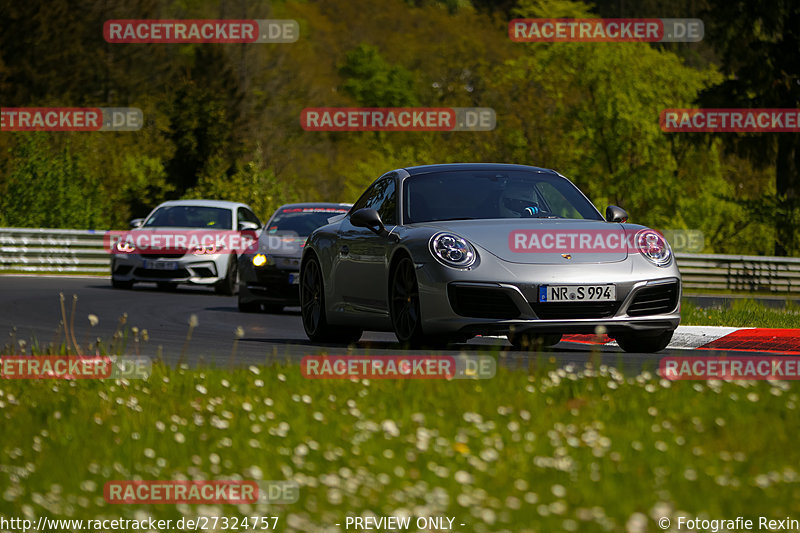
x,y
654,247
125,247
208,249
452,250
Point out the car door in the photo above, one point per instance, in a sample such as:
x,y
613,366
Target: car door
x,y
363,255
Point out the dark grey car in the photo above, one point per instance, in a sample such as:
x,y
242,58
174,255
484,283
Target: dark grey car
x,y
269,275
442,253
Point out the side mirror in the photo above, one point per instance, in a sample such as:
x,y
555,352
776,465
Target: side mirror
x,y
368,218
136,222
616,214
248,226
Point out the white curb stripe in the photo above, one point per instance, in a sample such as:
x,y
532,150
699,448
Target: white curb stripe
x,y
692,337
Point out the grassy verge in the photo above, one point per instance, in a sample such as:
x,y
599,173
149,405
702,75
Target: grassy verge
x,y
543,449
741,313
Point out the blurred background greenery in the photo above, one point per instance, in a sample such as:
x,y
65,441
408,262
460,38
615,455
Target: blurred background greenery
x,y
222,120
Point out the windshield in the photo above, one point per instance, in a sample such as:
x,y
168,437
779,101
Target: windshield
x,y
491,194
190,216
302,220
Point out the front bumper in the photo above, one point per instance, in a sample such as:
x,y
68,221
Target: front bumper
x,y
509,303
275,282
199,270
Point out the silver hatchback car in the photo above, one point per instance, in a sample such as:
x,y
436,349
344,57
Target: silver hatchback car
x,y
442,253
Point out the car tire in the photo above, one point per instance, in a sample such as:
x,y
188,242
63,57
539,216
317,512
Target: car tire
x,y
248,307
527,340
229,285
119,284
312,308
166,285
404,308
637,342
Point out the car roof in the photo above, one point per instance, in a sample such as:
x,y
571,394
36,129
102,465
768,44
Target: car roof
x,y
206,203
450,167
316,204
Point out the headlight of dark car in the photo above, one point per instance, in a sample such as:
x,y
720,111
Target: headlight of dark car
x,y
452,250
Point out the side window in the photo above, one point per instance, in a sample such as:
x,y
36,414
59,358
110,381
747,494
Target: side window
x,y
557,203
382,198
388,205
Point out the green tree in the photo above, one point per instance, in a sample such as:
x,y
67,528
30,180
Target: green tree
x,y
760,54
373,82
52,187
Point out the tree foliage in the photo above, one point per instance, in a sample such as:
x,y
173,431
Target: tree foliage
x,y
222,121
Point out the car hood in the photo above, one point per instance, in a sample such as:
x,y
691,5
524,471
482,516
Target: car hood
x,y
542,241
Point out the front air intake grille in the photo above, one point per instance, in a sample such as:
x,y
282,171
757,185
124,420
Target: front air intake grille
x,y
482,302
654,300
122,270
164,255
568,310
161,274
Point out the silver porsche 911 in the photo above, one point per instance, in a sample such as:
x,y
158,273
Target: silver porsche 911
x,y
442,253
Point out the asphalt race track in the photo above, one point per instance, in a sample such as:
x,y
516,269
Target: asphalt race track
x,y
31,305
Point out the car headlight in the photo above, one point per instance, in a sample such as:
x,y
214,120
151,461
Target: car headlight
x,y
452,250
208,249
125,247
259,260
654,247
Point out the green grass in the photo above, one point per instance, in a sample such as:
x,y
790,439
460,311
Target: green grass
x,y
741,313
543,449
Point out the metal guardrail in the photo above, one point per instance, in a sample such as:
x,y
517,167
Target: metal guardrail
x,y
53,250
741,273
65,250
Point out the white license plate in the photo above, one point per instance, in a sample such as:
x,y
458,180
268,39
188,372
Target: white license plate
x,y
294,279
161,265
577,293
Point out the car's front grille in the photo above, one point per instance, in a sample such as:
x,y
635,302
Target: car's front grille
x,y
272,276
160,255
567,310
482,302
654,300
161,274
